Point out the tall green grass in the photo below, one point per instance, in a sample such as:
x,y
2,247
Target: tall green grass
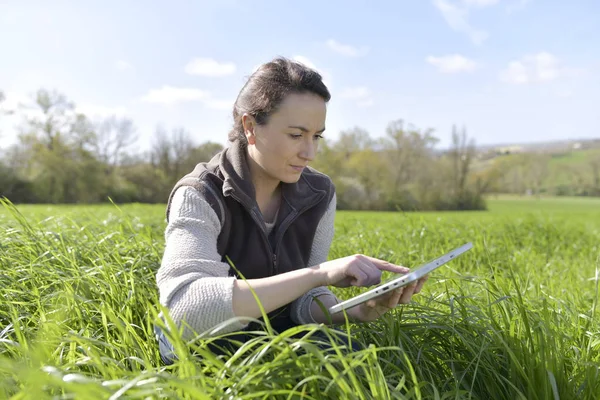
x,y
514,318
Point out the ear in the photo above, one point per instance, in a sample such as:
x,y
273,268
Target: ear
x,y
249,124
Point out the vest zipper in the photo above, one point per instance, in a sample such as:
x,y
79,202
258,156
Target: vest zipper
x,y
281,231
257,220
286,223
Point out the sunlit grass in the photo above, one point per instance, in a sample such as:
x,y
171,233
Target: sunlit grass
x,y
514,318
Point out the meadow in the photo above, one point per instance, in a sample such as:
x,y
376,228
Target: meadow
x,y
515,318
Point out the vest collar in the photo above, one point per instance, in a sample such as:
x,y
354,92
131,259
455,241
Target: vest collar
x,y
238,182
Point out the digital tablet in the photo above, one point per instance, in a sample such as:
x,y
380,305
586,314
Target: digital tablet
x,y
400,280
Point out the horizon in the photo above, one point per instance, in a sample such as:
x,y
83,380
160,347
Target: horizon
x,y
497,67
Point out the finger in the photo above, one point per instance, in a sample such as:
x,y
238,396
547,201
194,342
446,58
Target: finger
x,y
421,283
370,275
389,299
395,297
407,294
373,273
359,276
386,266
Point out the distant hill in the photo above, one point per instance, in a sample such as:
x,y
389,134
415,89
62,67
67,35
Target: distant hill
x,y
567,167
552,147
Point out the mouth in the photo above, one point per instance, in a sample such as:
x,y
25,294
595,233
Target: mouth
x,y
298,167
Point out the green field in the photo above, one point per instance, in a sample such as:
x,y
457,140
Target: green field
x,y
515,318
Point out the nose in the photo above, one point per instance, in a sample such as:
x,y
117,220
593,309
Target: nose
x,y
308,150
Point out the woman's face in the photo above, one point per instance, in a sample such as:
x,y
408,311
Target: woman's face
x,y
288,142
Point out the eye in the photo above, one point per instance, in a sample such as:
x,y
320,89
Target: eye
x,y
318,137
295,135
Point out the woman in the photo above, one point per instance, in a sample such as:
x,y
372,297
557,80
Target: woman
x,y
257,211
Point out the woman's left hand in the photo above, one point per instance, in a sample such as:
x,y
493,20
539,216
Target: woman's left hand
x,y
375,308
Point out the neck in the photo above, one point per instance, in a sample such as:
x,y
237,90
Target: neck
x,y
265,186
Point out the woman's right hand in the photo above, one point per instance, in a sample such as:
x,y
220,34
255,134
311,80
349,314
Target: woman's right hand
x,y
355,270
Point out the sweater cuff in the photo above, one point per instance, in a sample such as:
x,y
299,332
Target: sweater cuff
x,y
300,308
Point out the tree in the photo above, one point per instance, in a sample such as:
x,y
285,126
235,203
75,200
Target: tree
x,y
63,157
3,111
353,140
369,169
329,160
462,154
489,178
181,150
537,171
202,153
57,144
44,139
595,167
113,136
464,194
408,151
355,167
171,154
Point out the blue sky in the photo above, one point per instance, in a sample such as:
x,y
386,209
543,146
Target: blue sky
x,y
508,70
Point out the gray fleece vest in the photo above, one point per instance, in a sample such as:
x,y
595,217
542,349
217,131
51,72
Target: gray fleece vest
x,y
226,184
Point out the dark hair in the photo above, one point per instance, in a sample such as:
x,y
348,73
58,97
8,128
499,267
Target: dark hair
x,y
268,86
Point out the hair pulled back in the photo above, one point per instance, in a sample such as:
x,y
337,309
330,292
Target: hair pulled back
x,y
268,86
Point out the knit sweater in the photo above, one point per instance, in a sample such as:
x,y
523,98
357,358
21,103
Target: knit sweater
x,y
194,284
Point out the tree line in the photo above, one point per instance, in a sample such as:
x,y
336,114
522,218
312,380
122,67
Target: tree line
x,y
61,156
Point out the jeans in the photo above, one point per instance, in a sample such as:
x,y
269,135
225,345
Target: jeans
x,y
221,346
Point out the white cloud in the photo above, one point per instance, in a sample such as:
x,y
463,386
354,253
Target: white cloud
x,y
457,17
361,95
170,95
209,67
452,64
122,65
346,49
534,68
516,73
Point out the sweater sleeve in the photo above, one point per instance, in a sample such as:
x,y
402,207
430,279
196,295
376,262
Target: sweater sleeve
x,y
193,283
300,308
